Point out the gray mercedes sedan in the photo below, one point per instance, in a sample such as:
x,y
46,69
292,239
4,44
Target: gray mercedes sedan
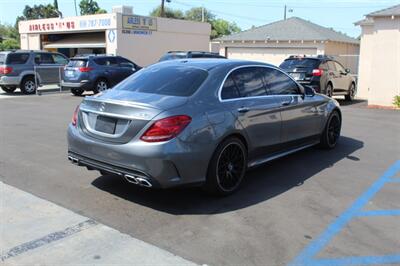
x,y
199,122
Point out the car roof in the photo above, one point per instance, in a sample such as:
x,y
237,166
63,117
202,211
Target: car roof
x,y
210,63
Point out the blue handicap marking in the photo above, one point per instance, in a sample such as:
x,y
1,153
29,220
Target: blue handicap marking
x,y
308,256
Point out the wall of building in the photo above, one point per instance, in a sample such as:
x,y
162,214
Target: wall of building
x,y
146,47
346,53
365,62
385,67
272,52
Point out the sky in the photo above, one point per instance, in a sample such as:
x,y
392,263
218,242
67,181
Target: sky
x,y
337,14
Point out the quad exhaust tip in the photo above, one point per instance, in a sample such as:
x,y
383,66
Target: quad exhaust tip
x,y
73,160
137,180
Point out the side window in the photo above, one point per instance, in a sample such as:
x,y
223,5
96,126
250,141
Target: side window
x,y
124,62
59,59
100,61
43,59
324,66
339,67
331,65
17,58
229,90
278,83
112,61
249,82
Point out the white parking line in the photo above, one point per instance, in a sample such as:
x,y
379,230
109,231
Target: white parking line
x,y
37,232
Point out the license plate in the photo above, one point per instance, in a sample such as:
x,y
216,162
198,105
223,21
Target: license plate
x,y
106,124
69,73
296,76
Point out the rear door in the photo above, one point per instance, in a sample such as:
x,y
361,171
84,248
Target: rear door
x,y
244,93
125,68
333,75
343,79
47,69
299,114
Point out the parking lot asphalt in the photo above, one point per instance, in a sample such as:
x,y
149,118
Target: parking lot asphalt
x,y
304,209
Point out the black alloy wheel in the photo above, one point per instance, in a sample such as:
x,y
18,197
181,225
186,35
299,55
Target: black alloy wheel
x,y
227,167
331,134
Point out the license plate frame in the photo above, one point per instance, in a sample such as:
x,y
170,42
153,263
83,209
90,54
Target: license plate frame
x,y
105,124
69,73
296,76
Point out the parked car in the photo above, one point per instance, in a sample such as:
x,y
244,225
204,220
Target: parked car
x,y
171,55
324,74
199,122
96,72
17,69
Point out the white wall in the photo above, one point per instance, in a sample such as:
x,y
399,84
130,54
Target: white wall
x,y
171,34
379,76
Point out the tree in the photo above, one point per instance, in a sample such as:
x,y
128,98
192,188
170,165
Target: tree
x,y
37,12
220,27
90,7
168,13
196,14
9,44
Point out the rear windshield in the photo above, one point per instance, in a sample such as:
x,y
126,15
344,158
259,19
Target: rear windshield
x,y
2,59
17,58
77,63
165,80
299,63
172,56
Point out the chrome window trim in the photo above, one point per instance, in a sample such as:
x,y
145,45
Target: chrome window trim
x,y
254,97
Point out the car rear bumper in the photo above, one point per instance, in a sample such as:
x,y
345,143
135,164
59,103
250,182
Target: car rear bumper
x,y
84,85
10,80
315,85
163,165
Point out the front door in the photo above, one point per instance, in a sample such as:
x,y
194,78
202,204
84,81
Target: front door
x,y
244,94
298,113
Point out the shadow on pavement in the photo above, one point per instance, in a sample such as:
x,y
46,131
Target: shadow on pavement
x,y
356,102
260,184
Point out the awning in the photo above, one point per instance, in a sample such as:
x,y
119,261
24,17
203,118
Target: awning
x,y
79,40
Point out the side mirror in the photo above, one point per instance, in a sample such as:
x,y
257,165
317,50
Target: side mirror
x,y
309,91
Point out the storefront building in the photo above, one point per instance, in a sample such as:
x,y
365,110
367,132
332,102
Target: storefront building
x,y
142,39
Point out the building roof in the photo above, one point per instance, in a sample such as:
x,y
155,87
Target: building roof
x,y
293,29
390,11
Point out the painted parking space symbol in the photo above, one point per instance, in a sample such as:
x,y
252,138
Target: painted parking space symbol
x,y
309,255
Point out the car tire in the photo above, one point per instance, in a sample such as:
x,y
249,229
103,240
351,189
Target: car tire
x,y
8,89
77,92
100,85
227,168
28,85
352,92
331,133
329,90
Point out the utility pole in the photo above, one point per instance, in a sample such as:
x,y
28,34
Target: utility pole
x,y
162,12
76,10
284,14
202,14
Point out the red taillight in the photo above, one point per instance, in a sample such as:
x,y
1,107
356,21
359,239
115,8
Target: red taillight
x,y
166,128
74,120
85,69
5,70
317,72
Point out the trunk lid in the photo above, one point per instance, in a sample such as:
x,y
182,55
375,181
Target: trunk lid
x,y
118,116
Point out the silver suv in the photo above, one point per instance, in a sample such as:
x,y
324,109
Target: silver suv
x,y
17,69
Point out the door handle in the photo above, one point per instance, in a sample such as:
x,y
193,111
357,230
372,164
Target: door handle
x,y
243,109
286,103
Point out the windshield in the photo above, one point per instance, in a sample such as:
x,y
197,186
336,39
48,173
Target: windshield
x,y
299,63
165,80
